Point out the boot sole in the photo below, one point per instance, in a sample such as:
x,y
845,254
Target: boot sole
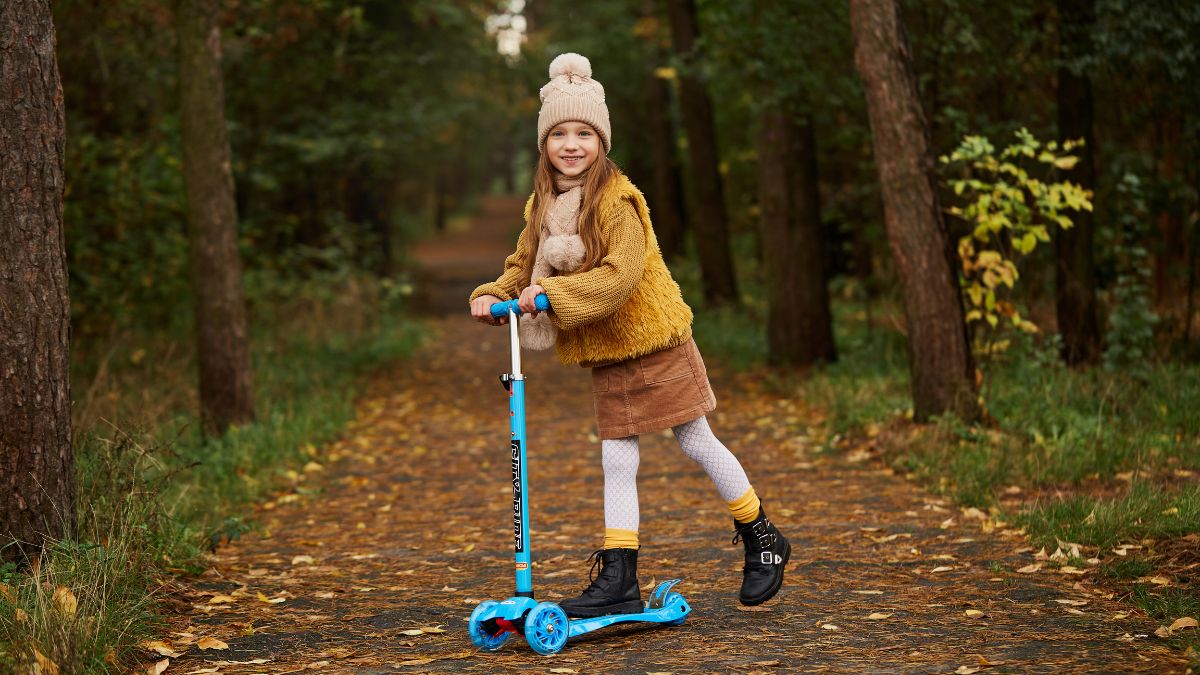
x,y
629,607
787,555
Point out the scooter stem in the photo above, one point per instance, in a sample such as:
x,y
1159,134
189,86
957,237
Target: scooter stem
x,y
516,406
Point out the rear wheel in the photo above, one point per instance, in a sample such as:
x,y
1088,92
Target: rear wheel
x,y
675,597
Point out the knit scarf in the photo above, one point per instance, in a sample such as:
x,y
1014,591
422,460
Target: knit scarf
x,y
560,249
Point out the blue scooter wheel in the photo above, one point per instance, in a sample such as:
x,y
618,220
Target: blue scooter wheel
x,y
546,628
481,637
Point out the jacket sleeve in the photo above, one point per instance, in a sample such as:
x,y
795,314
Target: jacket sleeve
x,y
512,281
580,299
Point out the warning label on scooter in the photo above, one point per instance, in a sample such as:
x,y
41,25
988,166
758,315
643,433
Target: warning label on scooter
x,y
516,481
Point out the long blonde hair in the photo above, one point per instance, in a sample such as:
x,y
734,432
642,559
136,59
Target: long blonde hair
x,y
597,177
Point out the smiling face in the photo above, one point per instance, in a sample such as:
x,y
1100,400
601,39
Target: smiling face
x,y
573,147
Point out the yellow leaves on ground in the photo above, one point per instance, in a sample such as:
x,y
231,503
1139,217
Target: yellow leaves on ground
x,y
878,616
1179,624
974,614
64,600
423,631
44,664
211,643
159,667
162,648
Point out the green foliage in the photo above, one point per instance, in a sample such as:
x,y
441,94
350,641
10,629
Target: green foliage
x,y
1144,511
1008,209
154,495
1131,321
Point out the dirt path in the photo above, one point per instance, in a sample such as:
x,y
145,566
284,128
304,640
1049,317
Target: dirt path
x,y
378,571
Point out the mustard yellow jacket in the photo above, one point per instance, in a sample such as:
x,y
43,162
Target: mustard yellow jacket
x,y
627,306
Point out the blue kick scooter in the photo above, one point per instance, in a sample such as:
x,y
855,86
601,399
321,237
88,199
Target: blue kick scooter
x,y
544,624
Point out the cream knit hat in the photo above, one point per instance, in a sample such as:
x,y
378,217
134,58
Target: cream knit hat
x,y
572,95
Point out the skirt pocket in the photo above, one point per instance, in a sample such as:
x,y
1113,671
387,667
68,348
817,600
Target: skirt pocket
x,y
666,365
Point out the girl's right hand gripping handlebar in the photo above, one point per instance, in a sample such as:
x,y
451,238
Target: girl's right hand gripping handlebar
x,y
501,309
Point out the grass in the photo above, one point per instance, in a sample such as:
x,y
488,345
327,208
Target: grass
x,y
1143,512
154,495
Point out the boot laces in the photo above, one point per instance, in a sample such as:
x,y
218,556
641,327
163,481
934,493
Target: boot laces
x,y
596,561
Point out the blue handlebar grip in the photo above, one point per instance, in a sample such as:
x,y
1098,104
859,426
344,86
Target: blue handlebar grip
x,y
500,309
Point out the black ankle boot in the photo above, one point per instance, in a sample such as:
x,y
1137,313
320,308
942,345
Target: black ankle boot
x,y
613,591
767,553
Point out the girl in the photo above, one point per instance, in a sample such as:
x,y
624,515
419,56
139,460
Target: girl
x,y
589,246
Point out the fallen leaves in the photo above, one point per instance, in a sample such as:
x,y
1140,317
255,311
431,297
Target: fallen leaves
x,y
1179,624
64,600
974,614
879,616
211,643
162,648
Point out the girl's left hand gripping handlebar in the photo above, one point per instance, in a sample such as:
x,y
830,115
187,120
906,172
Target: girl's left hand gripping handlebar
x,y
500,309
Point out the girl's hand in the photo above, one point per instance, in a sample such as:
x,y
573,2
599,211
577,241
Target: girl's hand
x,y
526,303
481,309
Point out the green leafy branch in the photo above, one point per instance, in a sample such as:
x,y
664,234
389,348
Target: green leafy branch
x,y
1008,209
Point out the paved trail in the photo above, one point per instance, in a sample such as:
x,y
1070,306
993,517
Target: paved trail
x,y
410,530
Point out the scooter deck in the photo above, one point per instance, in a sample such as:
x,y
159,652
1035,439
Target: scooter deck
x,y
662,607
675,612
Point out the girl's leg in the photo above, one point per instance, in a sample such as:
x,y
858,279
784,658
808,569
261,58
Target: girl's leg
x,y
615,589
726,472
621,457
767,550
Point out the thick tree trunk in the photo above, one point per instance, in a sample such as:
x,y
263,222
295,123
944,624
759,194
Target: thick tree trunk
x,y
221,343
1075,271
710,221
942,368
799,327
666,201
37,475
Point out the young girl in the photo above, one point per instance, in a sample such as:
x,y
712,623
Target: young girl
x,y
589,246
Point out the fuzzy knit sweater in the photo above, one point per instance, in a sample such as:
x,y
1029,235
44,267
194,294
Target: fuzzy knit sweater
x,y
627,306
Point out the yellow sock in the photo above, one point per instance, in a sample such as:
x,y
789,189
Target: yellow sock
x,y
745,508
615,537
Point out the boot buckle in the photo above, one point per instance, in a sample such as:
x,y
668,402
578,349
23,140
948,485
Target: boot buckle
x,y
770,558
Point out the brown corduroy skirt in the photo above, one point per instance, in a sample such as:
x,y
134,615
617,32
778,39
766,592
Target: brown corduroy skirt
x,y
652,392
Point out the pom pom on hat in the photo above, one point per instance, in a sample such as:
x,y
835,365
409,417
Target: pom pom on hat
x,y
572,95
570,64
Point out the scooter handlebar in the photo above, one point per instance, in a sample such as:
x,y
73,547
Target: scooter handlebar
x,y
500,309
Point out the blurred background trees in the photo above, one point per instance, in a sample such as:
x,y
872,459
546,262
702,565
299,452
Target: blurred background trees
x,y
357,127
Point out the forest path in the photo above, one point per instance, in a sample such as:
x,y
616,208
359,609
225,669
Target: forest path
x,y
377,571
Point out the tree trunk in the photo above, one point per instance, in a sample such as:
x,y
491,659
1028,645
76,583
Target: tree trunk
x,y
799,327
37,498
221,343
666,200
1075,269
710,222
942,368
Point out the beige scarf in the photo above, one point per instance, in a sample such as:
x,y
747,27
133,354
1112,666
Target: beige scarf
x,y
560,249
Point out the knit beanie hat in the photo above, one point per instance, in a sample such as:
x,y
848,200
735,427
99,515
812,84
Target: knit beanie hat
x,y
572,95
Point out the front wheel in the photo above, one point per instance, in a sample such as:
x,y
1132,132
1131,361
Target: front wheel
x,y
482,638
546,628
